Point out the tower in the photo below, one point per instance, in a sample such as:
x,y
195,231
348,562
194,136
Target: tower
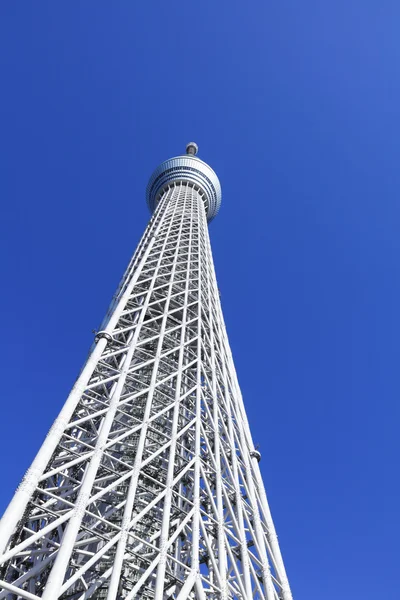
x,y
147,485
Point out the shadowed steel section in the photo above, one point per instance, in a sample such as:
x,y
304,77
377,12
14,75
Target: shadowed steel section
x,y
148,485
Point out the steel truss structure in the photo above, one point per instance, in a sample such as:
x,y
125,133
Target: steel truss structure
x,y
148,485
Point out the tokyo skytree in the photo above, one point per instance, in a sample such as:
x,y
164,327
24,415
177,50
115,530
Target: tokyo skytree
x,y
147,485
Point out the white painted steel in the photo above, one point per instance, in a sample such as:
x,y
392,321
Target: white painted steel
x,y
147,485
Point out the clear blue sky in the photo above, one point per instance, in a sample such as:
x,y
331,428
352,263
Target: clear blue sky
x,y
296,107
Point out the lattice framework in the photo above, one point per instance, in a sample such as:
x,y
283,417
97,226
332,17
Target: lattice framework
x,y
148,485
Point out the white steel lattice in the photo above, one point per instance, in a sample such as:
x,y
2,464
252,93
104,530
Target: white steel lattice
x,y
147,485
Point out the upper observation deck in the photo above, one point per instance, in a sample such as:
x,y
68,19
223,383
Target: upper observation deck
x,y
187,168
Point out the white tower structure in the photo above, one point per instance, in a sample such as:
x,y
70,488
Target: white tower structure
x,y
147,485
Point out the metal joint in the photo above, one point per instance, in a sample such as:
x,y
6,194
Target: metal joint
x,y
103,334
256,454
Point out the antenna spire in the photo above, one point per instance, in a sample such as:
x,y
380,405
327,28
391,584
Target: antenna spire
x,y
192,148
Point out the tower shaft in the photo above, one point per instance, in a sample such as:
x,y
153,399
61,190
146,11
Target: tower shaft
x,y
148,486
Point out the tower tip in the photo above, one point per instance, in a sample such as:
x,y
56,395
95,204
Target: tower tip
x,y
192,148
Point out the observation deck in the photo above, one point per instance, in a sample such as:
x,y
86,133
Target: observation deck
x,y
187,168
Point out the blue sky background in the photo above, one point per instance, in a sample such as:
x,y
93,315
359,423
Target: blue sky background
x,y
296,107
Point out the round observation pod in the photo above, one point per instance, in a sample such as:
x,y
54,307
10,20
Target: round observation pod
x,y
186,168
